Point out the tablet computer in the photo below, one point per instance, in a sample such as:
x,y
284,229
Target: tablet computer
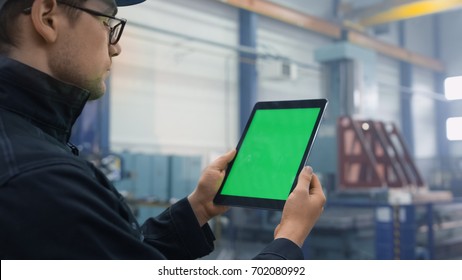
x,y
271,153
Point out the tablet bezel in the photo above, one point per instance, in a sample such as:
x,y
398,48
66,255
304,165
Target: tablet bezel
x,y
275,204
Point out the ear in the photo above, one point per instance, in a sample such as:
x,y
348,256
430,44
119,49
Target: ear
x,y
44,16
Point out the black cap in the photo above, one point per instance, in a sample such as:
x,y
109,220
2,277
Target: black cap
x,y
119,2
126,2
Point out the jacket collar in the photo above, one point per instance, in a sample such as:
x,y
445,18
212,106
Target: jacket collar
x,y
52,105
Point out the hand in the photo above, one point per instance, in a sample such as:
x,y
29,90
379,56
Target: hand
x,y
201,199
302,209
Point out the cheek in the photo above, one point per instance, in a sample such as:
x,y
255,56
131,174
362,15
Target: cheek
x,y
78,64
92,46
93,56
64,62
98,42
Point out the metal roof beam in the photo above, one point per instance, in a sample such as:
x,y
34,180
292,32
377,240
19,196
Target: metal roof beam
x,y
335,31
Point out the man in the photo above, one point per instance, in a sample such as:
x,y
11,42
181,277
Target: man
x,y
54,56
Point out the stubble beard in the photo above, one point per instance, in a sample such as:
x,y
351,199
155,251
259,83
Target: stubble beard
x,y
67,68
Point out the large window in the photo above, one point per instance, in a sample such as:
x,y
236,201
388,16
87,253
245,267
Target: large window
x,y
453,88
453,91
454,128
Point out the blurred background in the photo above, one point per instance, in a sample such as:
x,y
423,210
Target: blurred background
x,y
389,150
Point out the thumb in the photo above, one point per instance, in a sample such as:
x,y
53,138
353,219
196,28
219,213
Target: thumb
x,y
222,162
276,230
304,179
315,186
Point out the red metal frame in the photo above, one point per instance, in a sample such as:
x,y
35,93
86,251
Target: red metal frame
x,y
373,154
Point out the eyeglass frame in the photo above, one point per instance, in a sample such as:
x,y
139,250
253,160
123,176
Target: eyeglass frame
x,y
121,23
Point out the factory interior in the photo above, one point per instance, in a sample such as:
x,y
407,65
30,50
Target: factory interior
x,y
389,149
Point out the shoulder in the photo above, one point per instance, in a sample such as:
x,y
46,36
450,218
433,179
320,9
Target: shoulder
x,y
26,149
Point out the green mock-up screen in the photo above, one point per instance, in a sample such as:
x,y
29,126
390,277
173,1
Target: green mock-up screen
x,y
271,153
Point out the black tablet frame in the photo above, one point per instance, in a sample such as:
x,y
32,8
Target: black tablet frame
x,y
275,204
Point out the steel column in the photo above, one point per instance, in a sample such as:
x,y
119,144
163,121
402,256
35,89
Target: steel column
x,y
442,108
248,83
91,130
406,81
104,110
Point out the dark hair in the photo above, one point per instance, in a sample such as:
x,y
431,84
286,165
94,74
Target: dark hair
x,y
9,30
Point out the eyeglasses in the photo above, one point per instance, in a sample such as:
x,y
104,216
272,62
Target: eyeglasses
x,y
115,25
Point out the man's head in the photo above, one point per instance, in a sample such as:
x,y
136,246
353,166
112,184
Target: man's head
x,y
71,40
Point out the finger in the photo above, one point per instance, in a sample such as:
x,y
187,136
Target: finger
x,y
304,179
221,162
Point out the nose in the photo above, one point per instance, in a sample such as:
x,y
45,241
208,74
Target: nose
x,y
115,50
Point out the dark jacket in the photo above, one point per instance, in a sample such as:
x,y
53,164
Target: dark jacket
x,y
55,205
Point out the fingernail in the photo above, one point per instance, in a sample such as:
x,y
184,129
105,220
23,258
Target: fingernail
x,y
309,169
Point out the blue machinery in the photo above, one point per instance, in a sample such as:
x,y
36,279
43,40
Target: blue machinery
x,y
151,182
